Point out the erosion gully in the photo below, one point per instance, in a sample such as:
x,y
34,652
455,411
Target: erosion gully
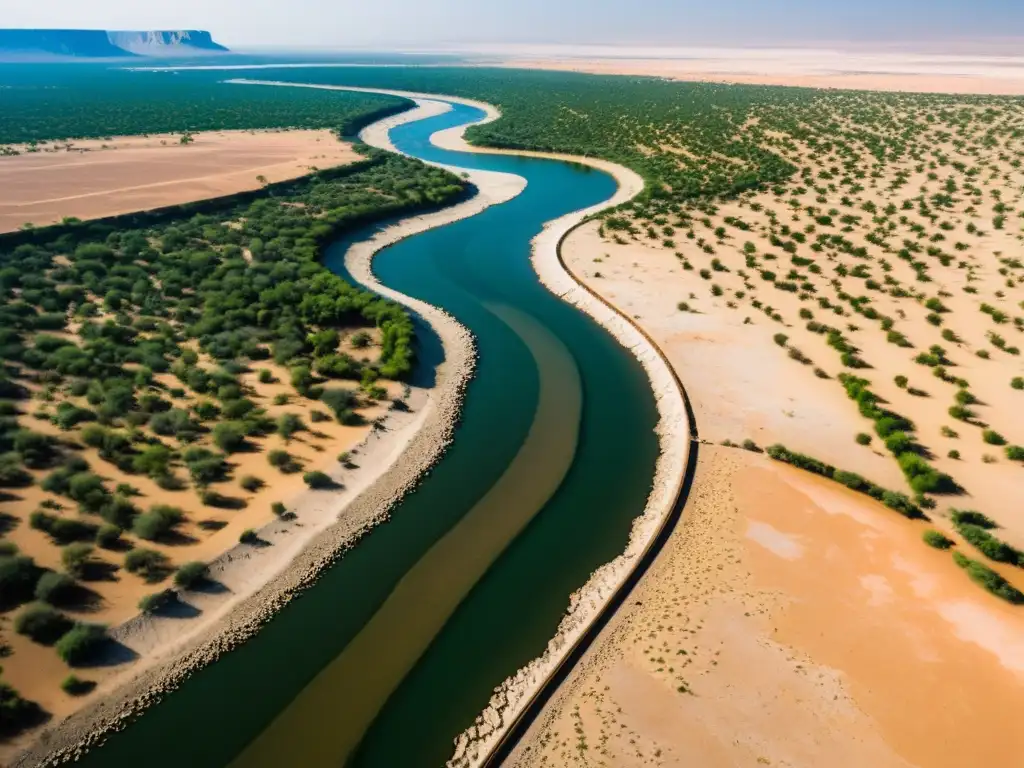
x,y
400,644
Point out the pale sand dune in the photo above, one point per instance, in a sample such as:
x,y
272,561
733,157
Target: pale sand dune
x,y
856,70
93,178
732,654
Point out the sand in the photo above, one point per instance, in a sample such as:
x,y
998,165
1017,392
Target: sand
x,y
93,178
809,68
739,650
261,580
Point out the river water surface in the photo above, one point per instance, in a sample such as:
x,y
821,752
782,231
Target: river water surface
x,y
400,644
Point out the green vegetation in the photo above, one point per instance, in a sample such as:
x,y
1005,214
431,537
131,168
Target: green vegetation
x,y
191,574
892,499
936,539
81,644
984,576
41,623
97,101
75,686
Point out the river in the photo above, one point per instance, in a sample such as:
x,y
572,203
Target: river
x,y
399,645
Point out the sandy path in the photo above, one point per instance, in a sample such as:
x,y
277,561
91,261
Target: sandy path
x,y
95,178
262,580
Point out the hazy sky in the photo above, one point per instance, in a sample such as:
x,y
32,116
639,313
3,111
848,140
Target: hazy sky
x,y
383,23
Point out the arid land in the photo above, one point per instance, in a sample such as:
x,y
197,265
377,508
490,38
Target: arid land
x,y
975,73
791,621
93,178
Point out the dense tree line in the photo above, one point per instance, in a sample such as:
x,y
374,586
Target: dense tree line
x,y
62,101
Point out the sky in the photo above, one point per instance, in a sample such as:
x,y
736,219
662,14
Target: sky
x,y
393,24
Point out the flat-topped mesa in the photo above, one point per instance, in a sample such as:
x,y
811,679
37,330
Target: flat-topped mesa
x,y
48,44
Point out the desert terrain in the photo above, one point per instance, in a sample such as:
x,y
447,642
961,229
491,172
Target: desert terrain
x,y
967,73
787,604
85,179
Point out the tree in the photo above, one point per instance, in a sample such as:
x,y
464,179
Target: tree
x,y
229,437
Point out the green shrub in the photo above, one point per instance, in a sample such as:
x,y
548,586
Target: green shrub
x,y
190,574
992,437
1017,382
54,588
863,438
81,644
76,559
62,530
251,483
989,545
108,536
158,523
278,509
936,539
970,517
317,480
229,437
780,339
18,577
1015,452
148,563
954,454
16,713
249,536
41,623
157,601
984,576
74,686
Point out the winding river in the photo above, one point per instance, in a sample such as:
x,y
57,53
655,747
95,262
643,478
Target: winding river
x,y
399,645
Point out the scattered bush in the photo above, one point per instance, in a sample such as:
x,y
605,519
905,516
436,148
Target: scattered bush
x,y
279,509
317,480
41,623
158,523
18,577
76,559
108,536
863,438
54,588
249,536
992,437
190,574
156,602
81,644
984,576
251,483
74,686
1015,452
936,539
148,563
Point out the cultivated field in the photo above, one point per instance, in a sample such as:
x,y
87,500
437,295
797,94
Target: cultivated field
x,y
92,178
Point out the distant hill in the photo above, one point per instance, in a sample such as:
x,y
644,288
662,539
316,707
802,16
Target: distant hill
x,y
48,44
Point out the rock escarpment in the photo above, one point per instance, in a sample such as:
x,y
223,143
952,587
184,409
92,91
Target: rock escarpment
x,y
48,44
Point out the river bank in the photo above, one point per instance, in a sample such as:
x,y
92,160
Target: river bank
x,y
511,698
259,581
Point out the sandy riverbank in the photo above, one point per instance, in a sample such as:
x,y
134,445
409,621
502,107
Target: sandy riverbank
x,y
262,580
95,178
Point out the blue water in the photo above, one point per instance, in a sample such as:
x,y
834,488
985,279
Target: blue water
x,y
507,619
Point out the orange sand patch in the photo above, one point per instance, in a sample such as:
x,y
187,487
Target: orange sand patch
x,y
790,622
94,178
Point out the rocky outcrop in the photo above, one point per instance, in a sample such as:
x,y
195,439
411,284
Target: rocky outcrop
x,y
48,44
